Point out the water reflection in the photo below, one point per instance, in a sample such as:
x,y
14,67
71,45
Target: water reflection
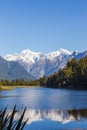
x,y
48,109
55,119
62,116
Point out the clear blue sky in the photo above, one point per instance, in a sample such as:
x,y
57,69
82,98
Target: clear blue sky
x,y
42,25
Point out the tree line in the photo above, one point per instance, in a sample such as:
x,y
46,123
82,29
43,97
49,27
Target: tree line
x,y
19,82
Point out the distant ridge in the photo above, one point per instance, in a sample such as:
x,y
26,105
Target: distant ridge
x,y
12,70
39,64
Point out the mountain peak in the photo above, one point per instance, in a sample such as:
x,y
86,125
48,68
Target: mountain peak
x,y
26,51
39,64
75,52
64,51
59,52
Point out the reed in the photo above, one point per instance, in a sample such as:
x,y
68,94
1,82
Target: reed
x,y
7,121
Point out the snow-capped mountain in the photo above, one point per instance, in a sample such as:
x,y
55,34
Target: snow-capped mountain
x,y
26,58
39,64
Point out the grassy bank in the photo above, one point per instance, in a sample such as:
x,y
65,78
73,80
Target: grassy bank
x,y
6,87
13,87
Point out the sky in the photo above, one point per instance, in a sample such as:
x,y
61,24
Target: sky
x,y
42,25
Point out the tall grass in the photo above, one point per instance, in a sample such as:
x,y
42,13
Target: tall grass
x,y
8,122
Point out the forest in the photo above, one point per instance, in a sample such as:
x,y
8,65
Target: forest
x,y
72,76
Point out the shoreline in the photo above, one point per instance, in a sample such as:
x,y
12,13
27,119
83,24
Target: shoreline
x,y
13,87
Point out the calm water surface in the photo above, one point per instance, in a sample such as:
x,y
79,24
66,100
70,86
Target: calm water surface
x,y
49,109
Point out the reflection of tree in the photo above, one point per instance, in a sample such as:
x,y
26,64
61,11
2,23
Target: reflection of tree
x,y
78,114
83,113
74,113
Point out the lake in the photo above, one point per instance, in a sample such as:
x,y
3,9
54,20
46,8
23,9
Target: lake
x,y
49,109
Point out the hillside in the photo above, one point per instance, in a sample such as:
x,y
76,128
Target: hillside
x,y
10,70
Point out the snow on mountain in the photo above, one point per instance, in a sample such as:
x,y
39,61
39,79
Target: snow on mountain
x,y
29,56
26,58
58,53
25,55
39,64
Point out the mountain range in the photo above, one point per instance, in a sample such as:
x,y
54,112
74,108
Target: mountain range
x,y
12,70
39,64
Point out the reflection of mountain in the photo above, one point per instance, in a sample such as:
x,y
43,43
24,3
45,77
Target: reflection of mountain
x,y
62,116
